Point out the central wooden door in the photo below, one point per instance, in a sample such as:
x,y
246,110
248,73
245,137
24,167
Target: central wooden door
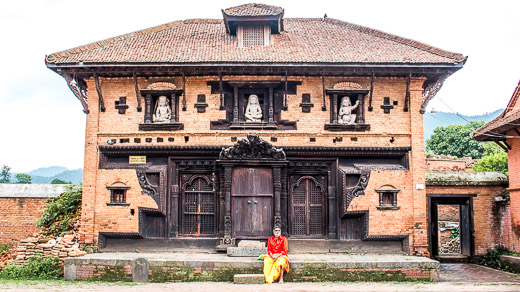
x,y
252,202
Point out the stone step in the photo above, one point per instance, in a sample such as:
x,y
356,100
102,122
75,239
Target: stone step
x,y
234,251
248,279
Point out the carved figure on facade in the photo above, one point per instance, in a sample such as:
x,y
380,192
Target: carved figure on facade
x,y
253,147
358,190
345,115
162,112
253,111
148,189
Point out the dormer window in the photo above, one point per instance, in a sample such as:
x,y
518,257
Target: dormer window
x,y
253,35
253,23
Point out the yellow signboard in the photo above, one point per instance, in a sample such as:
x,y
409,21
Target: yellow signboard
x,y
137,159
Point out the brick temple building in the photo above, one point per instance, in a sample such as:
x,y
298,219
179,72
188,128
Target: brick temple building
x,y
205,132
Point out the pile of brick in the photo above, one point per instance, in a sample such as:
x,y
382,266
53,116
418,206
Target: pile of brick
x,y
451,246
62,247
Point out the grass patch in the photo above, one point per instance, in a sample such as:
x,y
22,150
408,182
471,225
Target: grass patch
x,y
37,267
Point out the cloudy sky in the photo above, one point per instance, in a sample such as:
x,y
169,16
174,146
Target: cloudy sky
x,y
42,123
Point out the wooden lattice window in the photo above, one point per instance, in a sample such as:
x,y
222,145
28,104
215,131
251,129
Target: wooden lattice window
x,y
307,206
118,193
198,197
254,35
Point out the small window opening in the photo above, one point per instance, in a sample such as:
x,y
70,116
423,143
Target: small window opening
x,y
254,35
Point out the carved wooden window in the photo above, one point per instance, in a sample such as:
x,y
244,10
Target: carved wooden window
x,y
307,207
118,193
253,35
353,122
198,205
387,198
167,102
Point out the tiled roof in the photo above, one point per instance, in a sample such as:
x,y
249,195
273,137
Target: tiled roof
x,y
507,120
253,9
304,40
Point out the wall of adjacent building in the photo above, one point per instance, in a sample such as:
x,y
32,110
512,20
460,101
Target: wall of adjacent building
x,y
20,208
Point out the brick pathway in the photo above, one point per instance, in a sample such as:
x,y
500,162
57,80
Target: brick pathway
x,y
475,274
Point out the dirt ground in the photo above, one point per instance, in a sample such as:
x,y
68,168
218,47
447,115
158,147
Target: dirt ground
x,y
454,277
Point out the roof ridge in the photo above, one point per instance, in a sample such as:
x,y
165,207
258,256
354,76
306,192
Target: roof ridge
x,y
399,39
106,42
512,101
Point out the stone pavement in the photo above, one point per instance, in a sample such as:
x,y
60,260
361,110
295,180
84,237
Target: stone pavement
x,y
475,274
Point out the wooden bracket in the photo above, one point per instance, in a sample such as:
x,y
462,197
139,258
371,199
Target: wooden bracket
x,y
370,108
100,94
137,94
323,106
504,146
183,92
407,96
220,91
79,92
431,90
285,93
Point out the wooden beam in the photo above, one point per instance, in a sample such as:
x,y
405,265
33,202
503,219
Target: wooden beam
x,y
518,132
100,94
508,146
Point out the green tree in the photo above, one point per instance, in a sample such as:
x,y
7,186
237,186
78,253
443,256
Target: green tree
x,y
5,175
23,178
58,181
455,140
493,162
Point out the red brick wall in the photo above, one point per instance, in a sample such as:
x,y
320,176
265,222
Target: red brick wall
x,y
18,218
487,214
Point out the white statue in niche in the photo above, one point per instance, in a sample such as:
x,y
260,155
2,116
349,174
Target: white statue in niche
x,y
162,112
345,115
253,111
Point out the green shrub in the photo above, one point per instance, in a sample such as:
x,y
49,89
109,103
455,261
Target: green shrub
x,y
61,213
37,267
4,247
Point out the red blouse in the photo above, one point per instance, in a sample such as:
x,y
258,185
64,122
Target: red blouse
x,y
279,245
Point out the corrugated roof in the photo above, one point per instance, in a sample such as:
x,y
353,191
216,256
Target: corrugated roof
x,y
304,40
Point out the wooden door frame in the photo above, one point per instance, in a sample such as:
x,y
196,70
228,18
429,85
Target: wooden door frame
x,y
450,199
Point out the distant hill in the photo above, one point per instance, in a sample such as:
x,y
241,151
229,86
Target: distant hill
x,y
433,120
75,176
47,171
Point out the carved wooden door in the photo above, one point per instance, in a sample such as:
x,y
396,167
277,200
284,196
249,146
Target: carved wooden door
x,y
198,205
252,202
307,206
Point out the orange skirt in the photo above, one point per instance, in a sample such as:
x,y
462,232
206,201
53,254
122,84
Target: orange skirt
x,y
272,269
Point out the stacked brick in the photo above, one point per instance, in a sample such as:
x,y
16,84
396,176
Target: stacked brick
x,y
61,247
